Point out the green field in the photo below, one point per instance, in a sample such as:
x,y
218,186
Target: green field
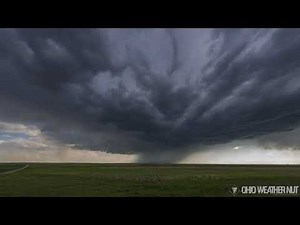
x,y
41,179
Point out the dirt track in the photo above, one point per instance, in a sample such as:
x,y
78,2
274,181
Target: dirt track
x,y
16,170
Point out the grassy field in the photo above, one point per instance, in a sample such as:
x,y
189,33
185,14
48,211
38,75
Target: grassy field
x,y
139,180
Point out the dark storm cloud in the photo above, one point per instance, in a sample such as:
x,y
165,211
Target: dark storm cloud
x,y
152,90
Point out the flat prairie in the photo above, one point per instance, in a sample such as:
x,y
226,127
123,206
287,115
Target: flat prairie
x,y
138,180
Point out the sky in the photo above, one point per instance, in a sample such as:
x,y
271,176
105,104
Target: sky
x,y
150,95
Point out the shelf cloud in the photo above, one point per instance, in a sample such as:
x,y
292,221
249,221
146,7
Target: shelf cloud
x,y
151,92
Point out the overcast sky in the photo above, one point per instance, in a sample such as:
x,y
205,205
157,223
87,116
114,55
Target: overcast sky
x,y
150,95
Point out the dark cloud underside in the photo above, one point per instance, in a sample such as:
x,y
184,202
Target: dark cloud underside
x,y
150,90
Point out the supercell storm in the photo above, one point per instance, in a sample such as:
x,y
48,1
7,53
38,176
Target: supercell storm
x,y
152,90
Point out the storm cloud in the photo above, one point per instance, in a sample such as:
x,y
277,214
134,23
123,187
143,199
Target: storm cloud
x,y
151,91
